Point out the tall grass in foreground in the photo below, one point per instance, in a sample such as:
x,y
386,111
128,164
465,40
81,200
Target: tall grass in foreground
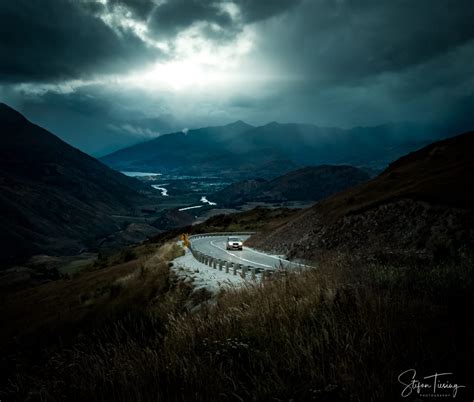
x,y
338,333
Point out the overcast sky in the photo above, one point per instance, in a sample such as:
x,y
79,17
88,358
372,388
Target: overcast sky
x,y
106,73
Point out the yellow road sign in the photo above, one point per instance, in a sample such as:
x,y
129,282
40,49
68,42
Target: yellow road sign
x,y
185,239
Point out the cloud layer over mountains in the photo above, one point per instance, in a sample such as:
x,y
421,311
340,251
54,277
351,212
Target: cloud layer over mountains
x,y
81,67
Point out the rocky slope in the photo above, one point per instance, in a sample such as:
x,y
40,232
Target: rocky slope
x,y
53,197
420,206
311,183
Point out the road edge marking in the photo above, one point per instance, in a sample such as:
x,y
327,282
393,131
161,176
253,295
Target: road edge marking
x,y
240,258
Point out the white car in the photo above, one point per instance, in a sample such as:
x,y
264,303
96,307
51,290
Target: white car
x,y
234,243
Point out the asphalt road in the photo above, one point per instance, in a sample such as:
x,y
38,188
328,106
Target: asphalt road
x,y
215,246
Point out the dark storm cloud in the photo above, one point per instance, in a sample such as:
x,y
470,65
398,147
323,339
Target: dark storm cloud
x,y
341,42
253,11
56,40
172,16
350,40
366,62
140,8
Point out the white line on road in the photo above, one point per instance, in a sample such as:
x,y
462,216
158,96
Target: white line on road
x,y
240,258
267,255
185,209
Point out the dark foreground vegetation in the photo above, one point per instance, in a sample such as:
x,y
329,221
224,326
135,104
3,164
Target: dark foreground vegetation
x,y
345,331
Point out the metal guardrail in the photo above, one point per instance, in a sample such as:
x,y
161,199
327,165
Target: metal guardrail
x,y
231,267
201,235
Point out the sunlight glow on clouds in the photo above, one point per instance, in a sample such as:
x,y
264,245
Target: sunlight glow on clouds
x,y
122,18
231,9
197,63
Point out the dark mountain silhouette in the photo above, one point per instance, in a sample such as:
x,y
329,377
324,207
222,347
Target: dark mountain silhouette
x,y
307,184
421,206
240,150
54,198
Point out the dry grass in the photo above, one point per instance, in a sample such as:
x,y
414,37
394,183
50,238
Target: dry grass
x,y
59,307
329,334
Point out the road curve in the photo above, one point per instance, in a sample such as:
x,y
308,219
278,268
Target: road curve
x,y
215,246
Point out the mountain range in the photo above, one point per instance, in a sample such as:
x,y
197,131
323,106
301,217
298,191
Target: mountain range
x,y
54,198
239,150
420,207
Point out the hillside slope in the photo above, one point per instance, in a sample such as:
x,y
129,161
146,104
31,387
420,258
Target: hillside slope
x,y
311,183
54,198
420,206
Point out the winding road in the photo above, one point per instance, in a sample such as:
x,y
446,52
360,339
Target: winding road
x,y
215,246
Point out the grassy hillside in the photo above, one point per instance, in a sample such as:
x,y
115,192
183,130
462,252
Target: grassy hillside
x,y
341,332
419,207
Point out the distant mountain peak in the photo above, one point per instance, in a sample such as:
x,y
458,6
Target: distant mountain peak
x,y
272,124
8,114
239,123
